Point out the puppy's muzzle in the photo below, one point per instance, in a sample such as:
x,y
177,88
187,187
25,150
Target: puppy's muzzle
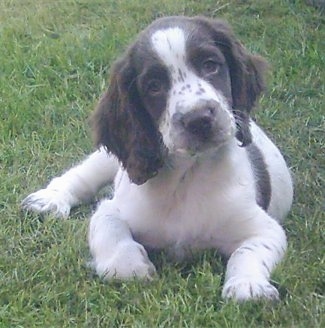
x,y
204,121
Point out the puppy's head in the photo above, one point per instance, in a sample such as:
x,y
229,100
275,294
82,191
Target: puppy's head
x,y
186,84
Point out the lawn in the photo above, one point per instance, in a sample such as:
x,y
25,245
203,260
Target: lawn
x,y
54,63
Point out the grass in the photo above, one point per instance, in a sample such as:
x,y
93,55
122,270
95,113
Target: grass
x,y
54,62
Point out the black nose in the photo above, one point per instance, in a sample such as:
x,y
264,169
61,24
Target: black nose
x,y
199,122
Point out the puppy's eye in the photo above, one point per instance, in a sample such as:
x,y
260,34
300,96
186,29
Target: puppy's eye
x,y
154,87
210,66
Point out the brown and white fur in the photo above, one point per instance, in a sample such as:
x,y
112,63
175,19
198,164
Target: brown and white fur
x,y
191,170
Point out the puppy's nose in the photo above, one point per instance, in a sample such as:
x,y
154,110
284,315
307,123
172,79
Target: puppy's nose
x,y
198,124
200,121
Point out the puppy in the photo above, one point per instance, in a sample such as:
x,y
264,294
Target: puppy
x,y
191,170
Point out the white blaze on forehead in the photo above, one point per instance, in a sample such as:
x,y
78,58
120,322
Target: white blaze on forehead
x,y
169,45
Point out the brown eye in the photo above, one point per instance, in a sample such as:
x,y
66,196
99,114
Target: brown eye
x,y
210,67
154,87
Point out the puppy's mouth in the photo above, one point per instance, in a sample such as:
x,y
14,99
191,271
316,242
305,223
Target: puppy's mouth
x,y
192,146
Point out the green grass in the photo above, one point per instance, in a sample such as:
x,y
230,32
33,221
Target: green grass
x,y
54,63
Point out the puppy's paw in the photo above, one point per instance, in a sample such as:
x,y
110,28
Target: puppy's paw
x,y
130,260
48,201
249,288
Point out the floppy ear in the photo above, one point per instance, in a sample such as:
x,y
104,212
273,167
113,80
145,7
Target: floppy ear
x,y
247,84
123,126
246,74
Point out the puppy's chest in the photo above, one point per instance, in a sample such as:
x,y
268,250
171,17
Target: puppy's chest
x,y
191,214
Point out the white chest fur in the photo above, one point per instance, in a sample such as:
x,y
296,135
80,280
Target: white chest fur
x,y
190,205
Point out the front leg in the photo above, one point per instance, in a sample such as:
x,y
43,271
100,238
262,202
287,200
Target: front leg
x,y
115,253
250,265
77,185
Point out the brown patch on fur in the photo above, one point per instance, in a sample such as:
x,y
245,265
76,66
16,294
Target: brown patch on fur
x,y
261,175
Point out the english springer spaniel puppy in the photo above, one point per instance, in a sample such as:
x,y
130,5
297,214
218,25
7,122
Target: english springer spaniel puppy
x,y
191,170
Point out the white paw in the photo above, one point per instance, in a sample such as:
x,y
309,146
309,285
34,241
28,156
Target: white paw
x,y
247,288
129,260
47,200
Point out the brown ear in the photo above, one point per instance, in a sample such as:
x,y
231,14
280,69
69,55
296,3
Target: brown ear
x,y
247,84
246,75
124,127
